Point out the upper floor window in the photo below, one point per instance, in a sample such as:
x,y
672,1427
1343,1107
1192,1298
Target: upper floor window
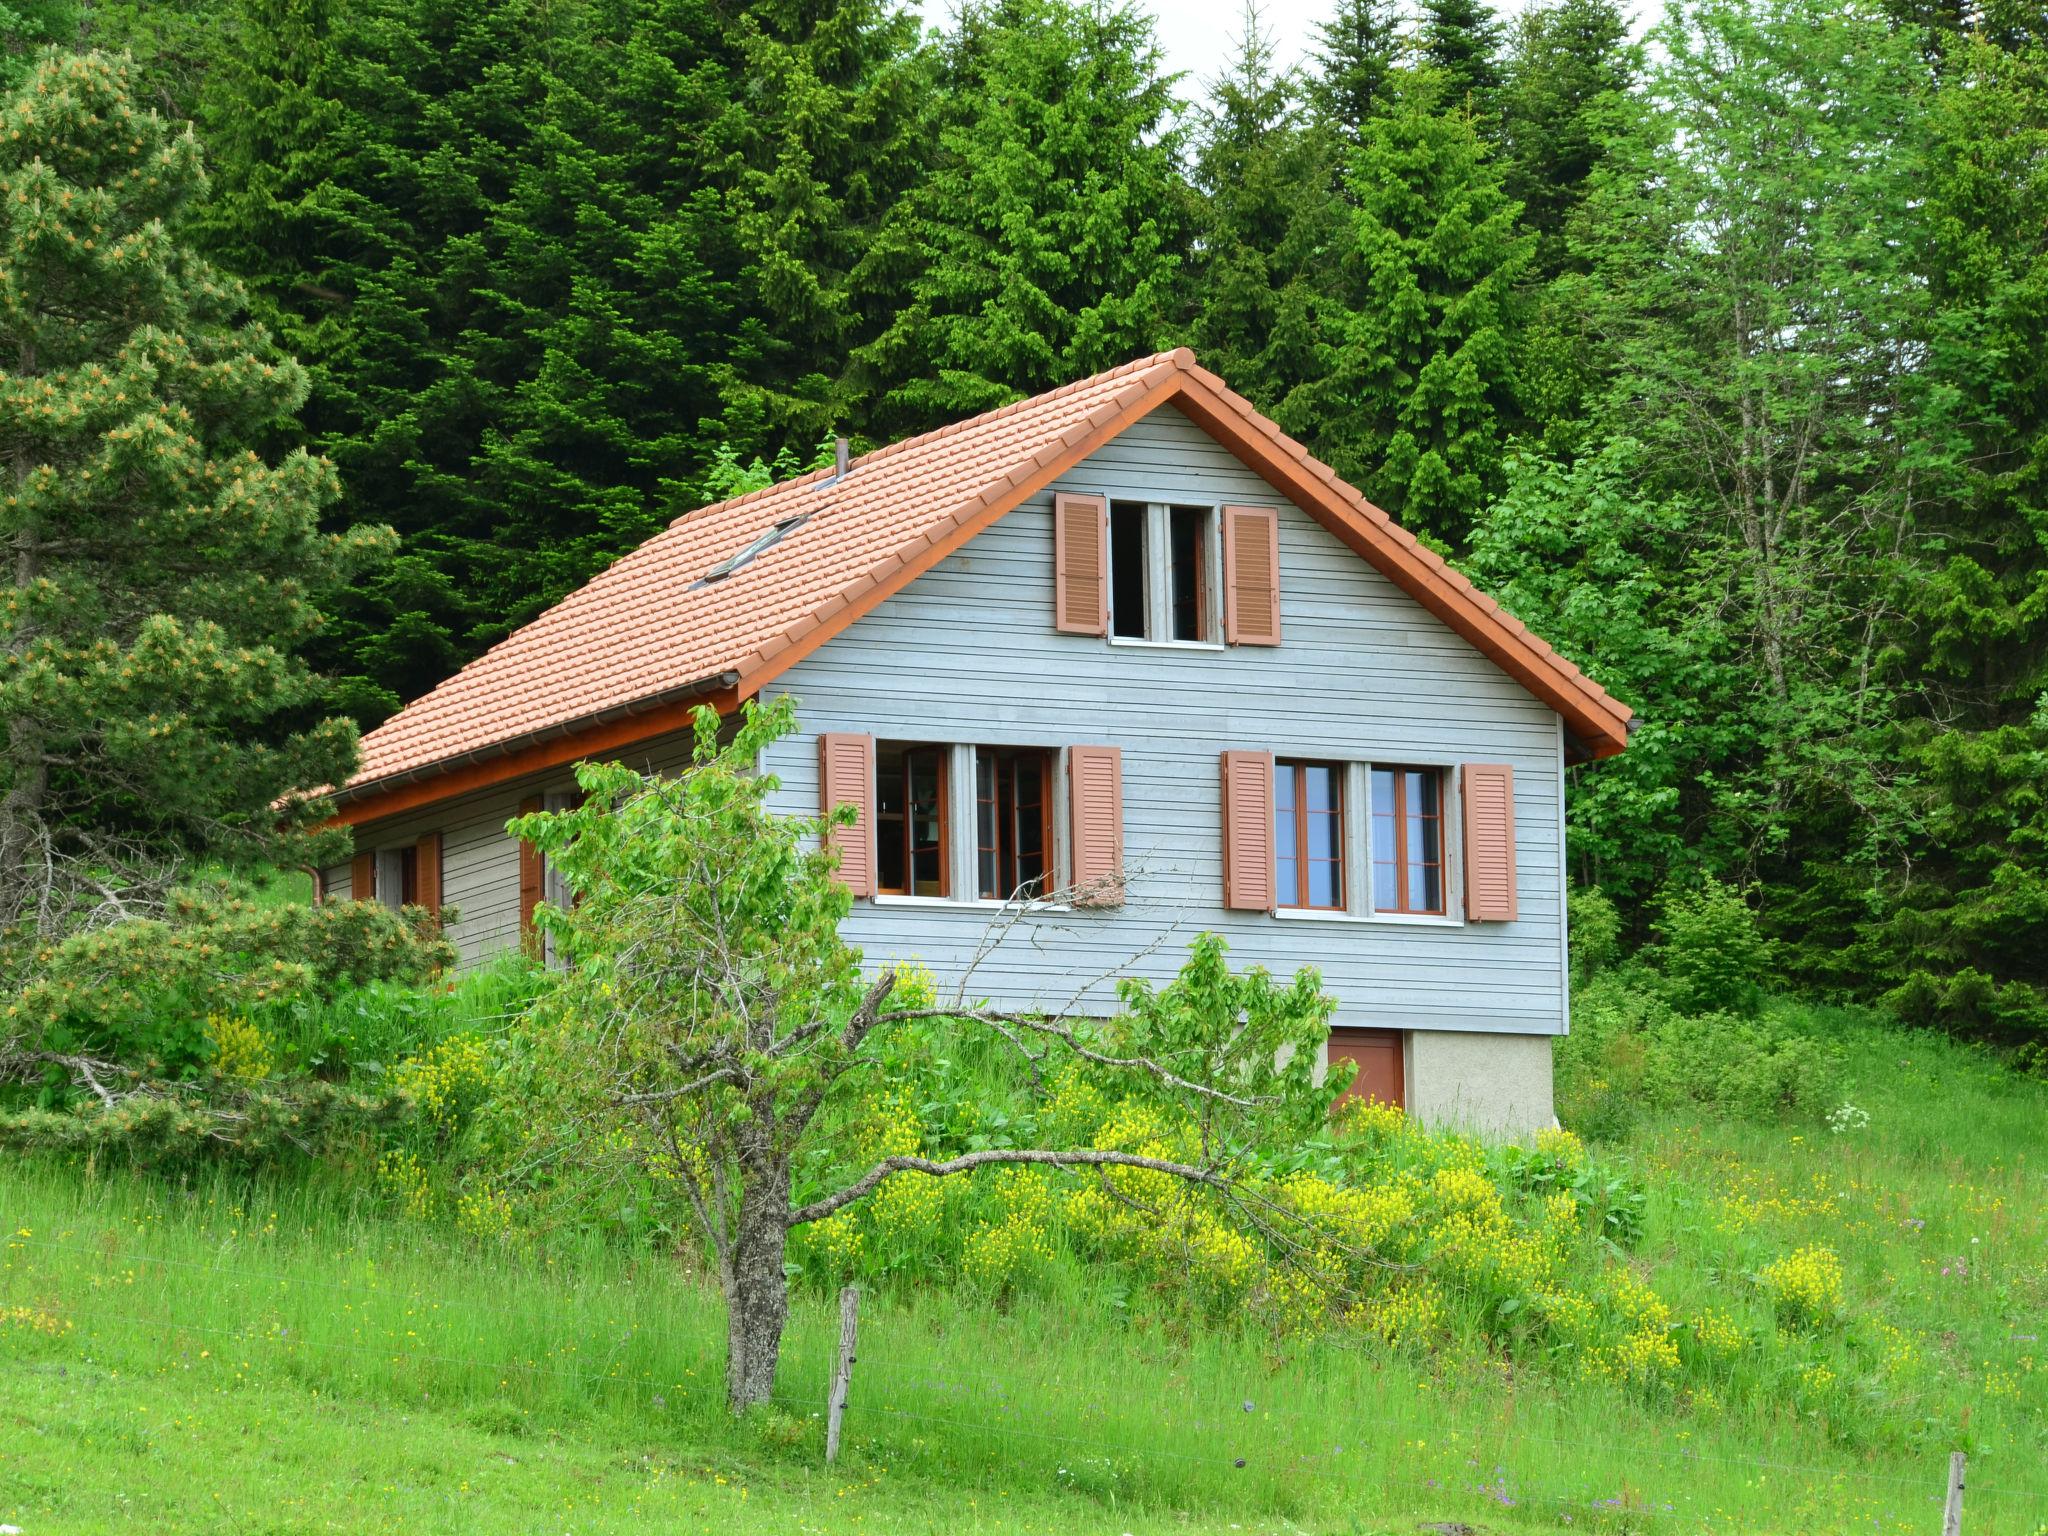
x,y
1162,572
910,819
1013,821
1408,840
1308,835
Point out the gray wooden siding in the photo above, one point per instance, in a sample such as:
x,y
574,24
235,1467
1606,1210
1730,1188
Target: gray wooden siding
x,y
968,653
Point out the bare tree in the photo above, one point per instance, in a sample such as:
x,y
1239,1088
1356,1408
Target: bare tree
x,y
718,1032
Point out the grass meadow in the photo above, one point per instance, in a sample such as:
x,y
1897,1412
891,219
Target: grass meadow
x,y
215,1355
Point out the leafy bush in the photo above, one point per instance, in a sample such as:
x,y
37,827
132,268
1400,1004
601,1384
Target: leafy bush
x,y
1595,927
1713,957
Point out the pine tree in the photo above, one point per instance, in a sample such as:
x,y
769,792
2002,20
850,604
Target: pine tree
x,y
1568,75
1461,39
1359,47
1048,241
161,571
1417,395
1263,167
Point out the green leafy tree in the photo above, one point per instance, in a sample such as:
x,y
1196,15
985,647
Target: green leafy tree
x,y
1049,240
1358,48
715,1032
1263,166
1416,398
161,573
1462,41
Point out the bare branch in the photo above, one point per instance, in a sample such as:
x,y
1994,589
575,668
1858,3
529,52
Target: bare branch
x,y
1088,1157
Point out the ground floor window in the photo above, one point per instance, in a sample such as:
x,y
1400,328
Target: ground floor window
x,y
1408,840
1013,821
910,819
1375,1060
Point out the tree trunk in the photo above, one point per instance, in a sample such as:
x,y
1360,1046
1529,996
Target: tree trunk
x,y
756,1289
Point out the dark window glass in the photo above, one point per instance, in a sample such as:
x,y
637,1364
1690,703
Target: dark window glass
x,y
1127,570
1012,817
1190,575
1407,840
408,876
1308,835
910,819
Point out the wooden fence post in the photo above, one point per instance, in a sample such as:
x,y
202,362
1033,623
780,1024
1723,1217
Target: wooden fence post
x,y
1952,1516
842,1376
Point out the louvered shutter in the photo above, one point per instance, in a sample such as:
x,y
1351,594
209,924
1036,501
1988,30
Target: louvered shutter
x,y
846,776
532,877
427,876
1488,790
1080,558
1248,831
1095,803
362,877
1251,575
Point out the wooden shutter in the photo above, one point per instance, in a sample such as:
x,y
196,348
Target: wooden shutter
x,y
1080,558
362,877
1248,831
427,873
1373,1058
1095,805
846,776
1251,575
1488,790
532,877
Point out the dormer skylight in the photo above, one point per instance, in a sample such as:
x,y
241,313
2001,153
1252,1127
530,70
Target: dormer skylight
x,y
763,542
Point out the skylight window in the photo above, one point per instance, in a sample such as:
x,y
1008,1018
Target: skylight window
x,y
762,543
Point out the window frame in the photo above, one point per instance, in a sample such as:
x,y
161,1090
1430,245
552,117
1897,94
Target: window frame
x,y
1297,770
999,759
1159,524
943,756
1403,908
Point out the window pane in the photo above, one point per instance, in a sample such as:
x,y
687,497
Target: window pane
x,y
1384,894
1029,777
927,821
1383,791
1190,527
1425,839
1422,791
1325,884
1127,569
1322,787
1426,888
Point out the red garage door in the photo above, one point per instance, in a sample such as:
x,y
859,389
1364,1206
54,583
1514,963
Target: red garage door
x,y
1374,1058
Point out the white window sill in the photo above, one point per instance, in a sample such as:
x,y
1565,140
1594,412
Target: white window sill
x,y
1369,919
978,904
1167,645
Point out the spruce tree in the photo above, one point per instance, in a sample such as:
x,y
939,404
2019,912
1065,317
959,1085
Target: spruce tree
x,y
1568,73
1417,395
1461,40
161,572
1359,46
1048,241
1263,168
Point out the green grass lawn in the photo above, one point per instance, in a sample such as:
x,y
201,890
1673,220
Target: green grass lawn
x,y
281,1359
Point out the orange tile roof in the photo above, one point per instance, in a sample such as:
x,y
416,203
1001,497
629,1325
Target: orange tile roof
x,y
643,632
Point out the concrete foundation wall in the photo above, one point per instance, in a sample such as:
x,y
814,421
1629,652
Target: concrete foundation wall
x,y
1495,1084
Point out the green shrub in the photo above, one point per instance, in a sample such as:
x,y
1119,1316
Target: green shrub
x,y
1713,957
1595,927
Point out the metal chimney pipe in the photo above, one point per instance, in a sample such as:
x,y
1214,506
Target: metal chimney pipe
x,y
839,458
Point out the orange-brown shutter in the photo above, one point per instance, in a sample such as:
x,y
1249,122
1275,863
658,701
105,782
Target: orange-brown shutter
x,y
1080,559
532,877
1248,831
427,864
1489,795
362,877
846,776
1095,804
1251,575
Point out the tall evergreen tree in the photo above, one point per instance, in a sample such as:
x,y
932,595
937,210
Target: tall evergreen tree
x,y
1462,40
1358,48
161,573
1417,397
1263,167
1049,240
546,260
1566,82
